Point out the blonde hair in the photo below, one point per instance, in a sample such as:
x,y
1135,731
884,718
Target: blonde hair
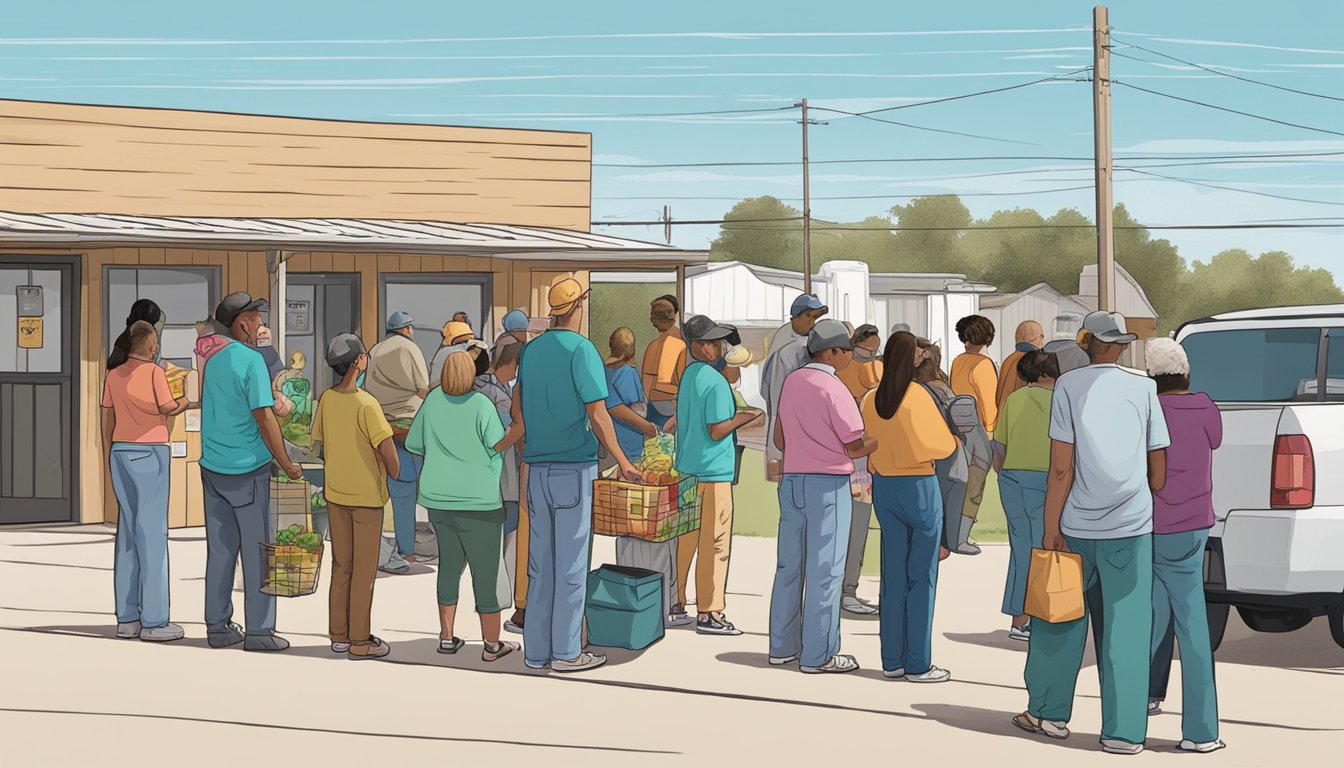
x,y
459,374
622,345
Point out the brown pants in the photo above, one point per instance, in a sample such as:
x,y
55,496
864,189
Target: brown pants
x,y
355,536
975,492
520,545
713,543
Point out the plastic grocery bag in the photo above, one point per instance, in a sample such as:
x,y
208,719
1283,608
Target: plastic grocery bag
x,y
1055,586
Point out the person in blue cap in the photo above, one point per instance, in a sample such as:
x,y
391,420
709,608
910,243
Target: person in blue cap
x,y
787,353
398,379
514,326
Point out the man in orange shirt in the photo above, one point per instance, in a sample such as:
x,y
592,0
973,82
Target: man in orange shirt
x,y
1030,337
973,374
664,360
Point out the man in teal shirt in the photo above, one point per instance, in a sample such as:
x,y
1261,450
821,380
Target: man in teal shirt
x,y
706,419
560,398
239,437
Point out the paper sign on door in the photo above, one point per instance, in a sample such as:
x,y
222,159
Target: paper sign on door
x,y
30,333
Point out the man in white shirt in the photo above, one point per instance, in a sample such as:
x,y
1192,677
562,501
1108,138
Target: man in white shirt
x,y
787,353
1107,455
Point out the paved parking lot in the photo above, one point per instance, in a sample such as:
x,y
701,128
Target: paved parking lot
x,y
72,694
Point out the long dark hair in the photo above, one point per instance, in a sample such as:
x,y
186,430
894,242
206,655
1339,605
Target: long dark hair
x,y
142,309
898,370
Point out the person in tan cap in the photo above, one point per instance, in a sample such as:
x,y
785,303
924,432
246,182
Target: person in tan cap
x,y
560,399
1030,337
455,334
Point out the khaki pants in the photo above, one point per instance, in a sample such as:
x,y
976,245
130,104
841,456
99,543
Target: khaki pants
x,y
520,545
355,537
713,543
975,492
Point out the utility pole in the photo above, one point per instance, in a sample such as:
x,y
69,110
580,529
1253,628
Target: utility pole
x,y
667,224
807,210
1101,117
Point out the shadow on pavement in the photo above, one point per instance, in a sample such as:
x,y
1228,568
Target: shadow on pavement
x,y
425,653
999,640
995,723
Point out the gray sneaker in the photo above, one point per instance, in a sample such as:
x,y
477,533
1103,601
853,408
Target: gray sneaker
x,y
128,630
165,634
852,604
582,663
1120,747
265,643
395,564
228,636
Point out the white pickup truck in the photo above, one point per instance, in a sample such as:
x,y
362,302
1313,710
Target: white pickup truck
x,y
1276,552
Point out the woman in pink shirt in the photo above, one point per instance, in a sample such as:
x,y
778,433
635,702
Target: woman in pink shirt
x,y
820,432
136,405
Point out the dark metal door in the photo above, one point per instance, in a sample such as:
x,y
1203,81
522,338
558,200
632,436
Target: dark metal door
x,y
39,311
333,307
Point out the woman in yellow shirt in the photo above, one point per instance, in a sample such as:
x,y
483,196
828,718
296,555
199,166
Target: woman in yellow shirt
x,y
911,435
973,374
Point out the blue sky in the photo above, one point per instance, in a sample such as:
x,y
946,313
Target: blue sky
x,y
603,66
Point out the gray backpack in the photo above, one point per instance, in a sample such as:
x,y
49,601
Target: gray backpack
x,y
955,467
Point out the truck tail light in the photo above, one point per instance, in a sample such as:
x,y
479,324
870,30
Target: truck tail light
x,y
1293,481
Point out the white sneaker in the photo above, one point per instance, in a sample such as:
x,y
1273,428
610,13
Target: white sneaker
x,y
582,663
839,664
779,661
340,647
1120,747
680,620
1154,707
1204,748
934,675
1020,633
894,674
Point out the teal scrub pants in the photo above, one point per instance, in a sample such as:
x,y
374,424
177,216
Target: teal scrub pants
x,y
1121,571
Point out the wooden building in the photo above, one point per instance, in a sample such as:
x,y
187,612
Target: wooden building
x,y
336,223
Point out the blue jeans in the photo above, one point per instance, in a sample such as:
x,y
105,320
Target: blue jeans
x,y
140,565
655,418
814,518
910,514
510,516
1118,573
1023,496
237,521
1178,598
559,553
403,490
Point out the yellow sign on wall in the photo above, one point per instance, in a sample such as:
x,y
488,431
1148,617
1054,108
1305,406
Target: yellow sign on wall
x,y
30,333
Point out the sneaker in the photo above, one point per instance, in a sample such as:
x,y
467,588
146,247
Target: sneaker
x,y
1154,707
779,661
1020,633
374,649
852,604
265,643
395,564
451,646
894,674
839,664
128,630
581,663
165,634
340,647
1055,729
934,675
682,619
536,665
967,549
515,622
500,650
1203,748
228,636
1120,747
715,624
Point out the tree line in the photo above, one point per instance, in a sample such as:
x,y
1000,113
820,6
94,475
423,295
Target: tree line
x,y
1016,249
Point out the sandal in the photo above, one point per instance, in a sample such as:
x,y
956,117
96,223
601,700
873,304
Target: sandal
x,y
451,646
1050,728
502,648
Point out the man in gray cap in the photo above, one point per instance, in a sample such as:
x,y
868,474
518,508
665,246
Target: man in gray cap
x,y
1108,438
239,439
820,432
359,456
787,353
399,380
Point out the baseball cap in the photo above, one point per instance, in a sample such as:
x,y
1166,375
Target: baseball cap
x,y
1108,327
564,295
701,328
456,329
515,320
234,305
807,303
344,349
398,320
865,331
828,334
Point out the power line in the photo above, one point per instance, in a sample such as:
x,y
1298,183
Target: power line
x,y
1196,183
860,197
758,110
967,158
896,228
1229,109
1224,74
977,93
922,127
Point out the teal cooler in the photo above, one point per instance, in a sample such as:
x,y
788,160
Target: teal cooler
x,y
625,607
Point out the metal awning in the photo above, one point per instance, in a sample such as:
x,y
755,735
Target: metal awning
x,y
379,235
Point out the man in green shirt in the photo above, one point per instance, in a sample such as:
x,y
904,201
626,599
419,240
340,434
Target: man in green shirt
x,y
1022,460
560,399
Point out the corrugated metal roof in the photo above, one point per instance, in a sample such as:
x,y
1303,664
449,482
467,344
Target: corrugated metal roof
x,y
332,234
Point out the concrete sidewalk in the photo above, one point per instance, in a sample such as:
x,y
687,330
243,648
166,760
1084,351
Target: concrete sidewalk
x,y
73,694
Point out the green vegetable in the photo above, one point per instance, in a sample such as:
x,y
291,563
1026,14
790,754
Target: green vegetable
x,y
319,502
285,538
308,541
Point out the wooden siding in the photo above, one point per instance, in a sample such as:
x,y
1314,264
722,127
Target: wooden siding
x,y
66,158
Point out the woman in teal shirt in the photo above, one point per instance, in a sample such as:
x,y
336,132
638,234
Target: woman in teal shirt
x,y
1022,461
462,438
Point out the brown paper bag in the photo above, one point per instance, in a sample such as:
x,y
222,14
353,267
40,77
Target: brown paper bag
x,y
1055,586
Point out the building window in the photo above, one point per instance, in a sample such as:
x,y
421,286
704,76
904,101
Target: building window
x,y
186,295
13,357
433,299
